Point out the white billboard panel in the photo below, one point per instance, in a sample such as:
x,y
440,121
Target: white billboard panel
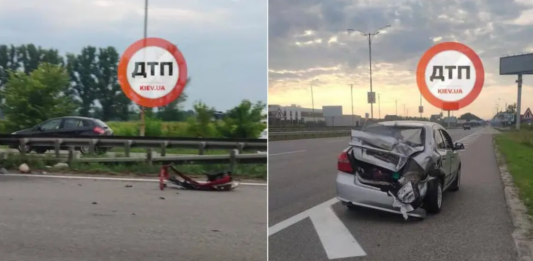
x,y
331,111
517,64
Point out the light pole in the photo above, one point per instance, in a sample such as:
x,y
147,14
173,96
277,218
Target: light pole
x,y
145,34
313,101
351,95
420,106
369,36
396,102
379,108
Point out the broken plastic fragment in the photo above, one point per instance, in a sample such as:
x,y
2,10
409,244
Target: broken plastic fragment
x,y
404,208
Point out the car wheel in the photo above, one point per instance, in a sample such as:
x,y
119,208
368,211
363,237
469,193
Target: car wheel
x,y
433,199
25,149
40,151
350,206
85,150
456,182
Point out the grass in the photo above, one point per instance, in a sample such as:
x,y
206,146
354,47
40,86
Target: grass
x,y
44,163
517,149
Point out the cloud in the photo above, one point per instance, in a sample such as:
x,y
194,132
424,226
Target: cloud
x,y
309,40
224,42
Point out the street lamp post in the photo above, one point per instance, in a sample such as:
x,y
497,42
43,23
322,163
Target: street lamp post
x,y
369,36
351,95
313,102
145,34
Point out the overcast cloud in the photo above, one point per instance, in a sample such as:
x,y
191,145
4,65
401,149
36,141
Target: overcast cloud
x,y
223,41
308,40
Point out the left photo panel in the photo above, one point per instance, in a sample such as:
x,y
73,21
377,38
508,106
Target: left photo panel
x,y
133,130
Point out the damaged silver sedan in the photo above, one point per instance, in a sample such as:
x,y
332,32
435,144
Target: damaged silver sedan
x,y
400,167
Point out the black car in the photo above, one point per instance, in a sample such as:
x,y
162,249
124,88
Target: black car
x,y
69,125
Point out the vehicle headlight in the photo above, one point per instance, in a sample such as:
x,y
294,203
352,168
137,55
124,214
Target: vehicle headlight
x,y
406,193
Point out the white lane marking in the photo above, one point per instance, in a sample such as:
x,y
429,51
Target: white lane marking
x,y
287,152
299,217
336,239
105,178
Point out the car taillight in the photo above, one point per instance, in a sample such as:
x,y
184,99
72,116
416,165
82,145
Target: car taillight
x,y
99,130
343,163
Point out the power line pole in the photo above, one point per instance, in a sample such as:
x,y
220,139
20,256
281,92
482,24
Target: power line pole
x,y
396,101
420,106
313,103
369,36
379,107
145,34
351,95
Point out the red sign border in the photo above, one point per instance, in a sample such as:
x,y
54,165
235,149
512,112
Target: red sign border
x,y
123,72
421,75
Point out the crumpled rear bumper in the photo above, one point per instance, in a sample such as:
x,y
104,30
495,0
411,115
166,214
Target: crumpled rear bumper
x,y
351,191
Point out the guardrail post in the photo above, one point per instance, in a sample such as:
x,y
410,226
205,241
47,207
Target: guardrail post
x,y
233,159
92,144
149,156
240,147
127,148
201,148
22,145
71,155
163,151
57,145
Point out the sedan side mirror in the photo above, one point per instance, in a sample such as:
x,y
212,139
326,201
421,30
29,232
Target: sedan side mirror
x,y
458,146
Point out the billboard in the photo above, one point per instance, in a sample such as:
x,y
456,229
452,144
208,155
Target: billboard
x,y
331,111
517,64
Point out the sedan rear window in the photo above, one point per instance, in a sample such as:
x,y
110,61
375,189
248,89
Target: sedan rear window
x,y
100,123
414,136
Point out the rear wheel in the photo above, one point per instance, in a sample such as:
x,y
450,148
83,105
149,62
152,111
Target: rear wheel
x,y
433,199
26,149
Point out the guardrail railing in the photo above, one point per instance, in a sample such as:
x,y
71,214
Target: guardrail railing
x,y
56,144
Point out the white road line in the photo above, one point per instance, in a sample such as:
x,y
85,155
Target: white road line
x,y
288,152
104,178
299,217
336,239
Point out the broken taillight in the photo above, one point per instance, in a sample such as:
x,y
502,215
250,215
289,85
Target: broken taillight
x,y
99,130
343,163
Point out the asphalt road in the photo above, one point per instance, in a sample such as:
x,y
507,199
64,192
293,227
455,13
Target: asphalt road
x,y
473,225
45,219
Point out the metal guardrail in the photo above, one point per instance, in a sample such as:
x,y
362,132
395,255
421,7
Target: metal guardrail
x,y
58,144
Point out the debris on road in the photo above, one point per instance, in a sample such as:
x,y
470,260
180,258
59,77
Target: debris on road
x,y
129,186
61,165
24,168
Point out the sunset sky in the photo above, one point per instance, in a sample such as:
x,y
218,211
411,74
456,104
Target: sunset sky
x,y
308,40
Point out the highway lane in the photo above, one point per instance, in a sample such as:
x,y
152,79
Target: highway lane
x,y
87,220
474,223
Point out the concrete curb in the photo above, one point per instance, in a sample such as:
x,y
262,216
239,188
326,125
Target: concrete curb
x,y
521,220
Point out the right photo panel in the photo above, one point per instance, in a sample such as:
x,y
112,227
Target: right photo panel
x,y
400,130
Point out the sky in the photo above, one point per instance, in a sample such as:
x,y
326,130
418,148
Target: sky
x,y
309,43
224,42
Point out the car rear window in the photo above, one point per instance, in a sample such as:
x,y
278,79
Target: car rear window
x,y
100,123
414,136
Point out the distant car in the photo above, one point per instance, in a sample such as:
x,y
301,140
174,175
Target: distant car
x,y
466,126
400,167
69,125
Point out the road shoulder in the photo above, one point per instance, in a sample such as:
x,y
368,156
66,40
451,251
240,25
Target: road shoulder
x,y
523,226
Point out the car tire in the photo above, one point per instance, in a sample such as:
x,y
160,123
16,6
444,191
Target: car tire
x,y
40,151
26,149
433,199
456,182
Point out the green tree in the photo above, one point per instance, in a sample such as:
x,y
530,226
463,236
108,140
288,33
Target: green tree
x,y
81,69
200,125
30,57
31,99
108,92
511,108
243,121
174,110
